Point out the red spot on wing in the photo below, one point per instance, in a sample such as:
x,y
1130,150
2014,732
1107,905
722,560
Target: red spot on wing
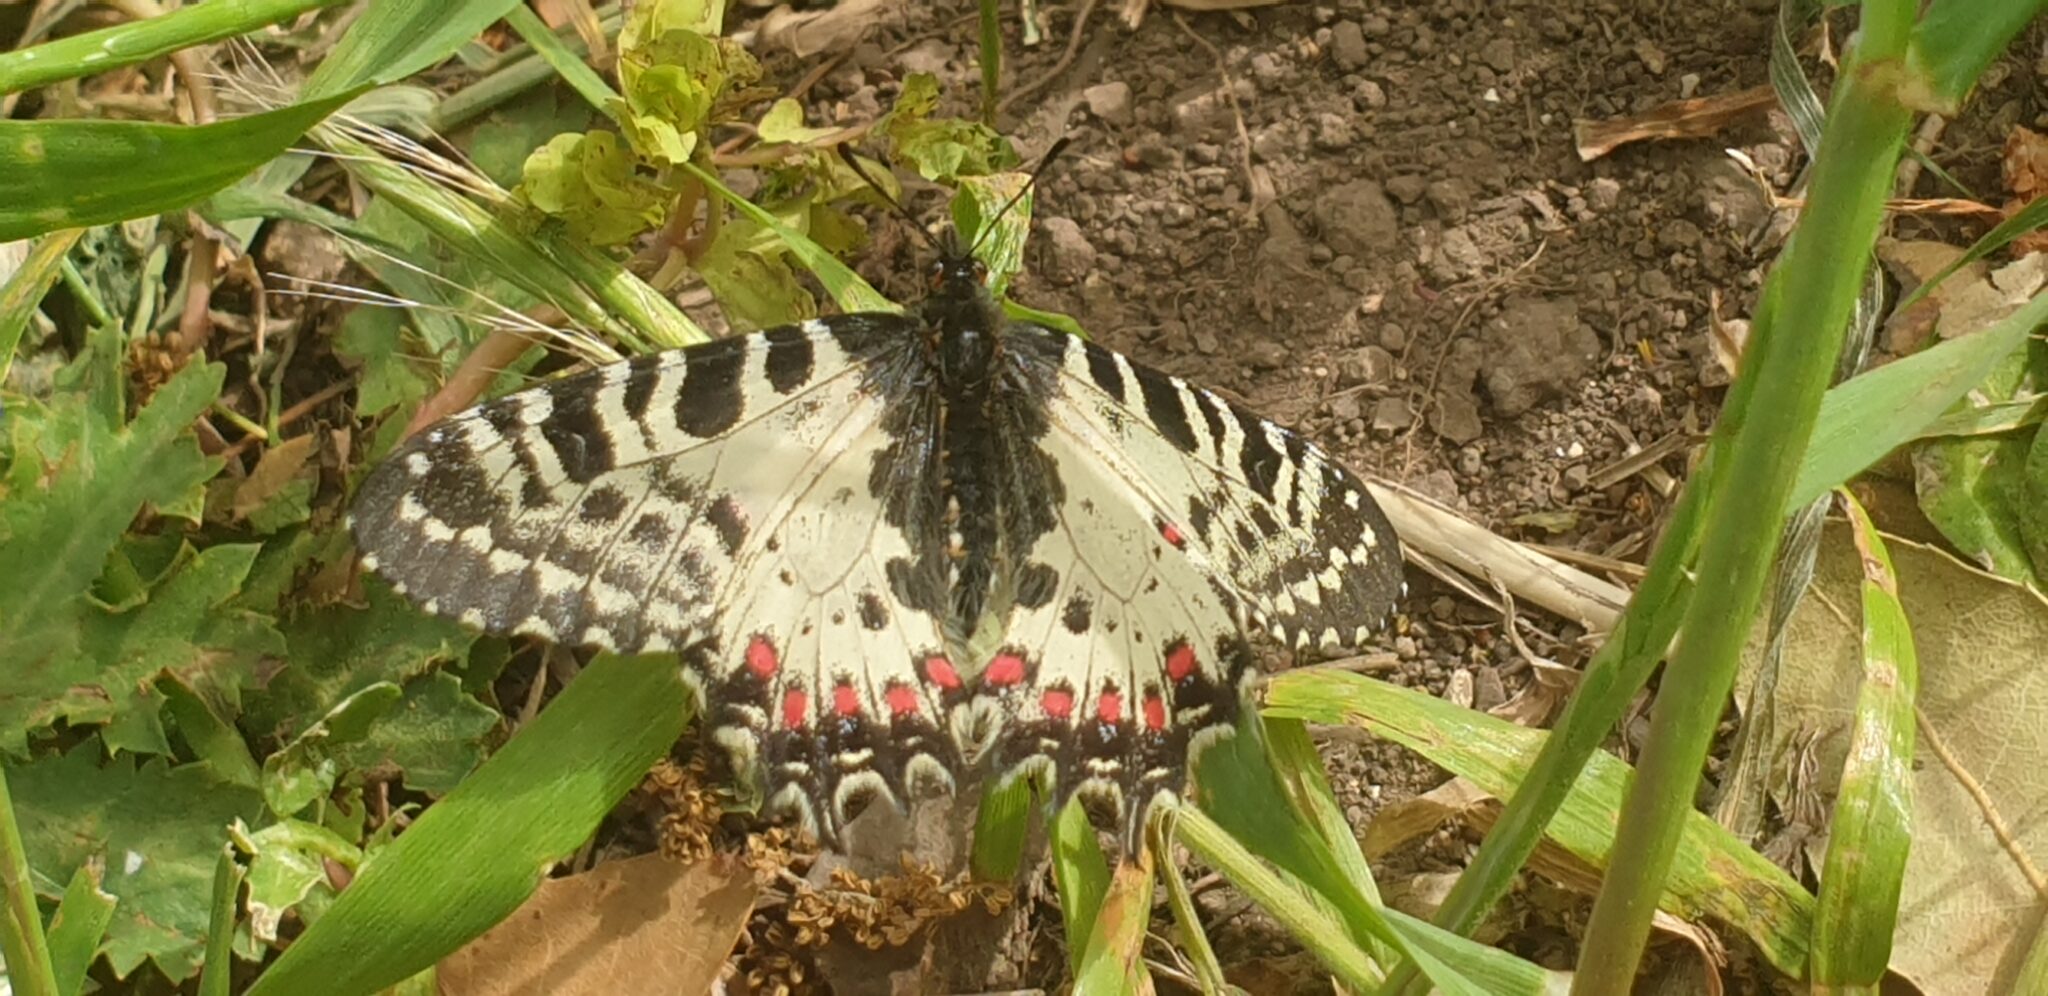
x,y
762,660
939,671
845,701
1155,712
1005,670
902,699
1173,536
1180,661
1110,708
1057,703
796,707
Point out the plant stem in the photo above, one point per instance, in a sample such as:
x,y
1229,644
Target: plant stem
x,y
1791,355
28,952
991,58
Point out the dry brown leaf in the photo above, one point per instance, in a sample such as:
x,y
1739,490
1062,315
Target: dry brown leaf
x,y
808,32
2024,163
1968,910
1541,698
1695,118
276,469
642,925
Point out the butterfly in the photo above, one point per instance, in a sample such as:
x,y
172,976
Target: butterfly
x,y
898,553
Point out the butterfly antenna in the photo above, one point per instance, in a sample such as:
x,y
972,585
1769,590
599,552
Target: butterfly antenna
x,y
1029,182
853,163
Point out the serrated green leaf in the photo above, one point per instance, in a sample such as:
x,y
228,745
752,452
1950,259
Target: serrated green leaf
x,y
996,226
375,338
308,767
55,536
941,149
186,628
1973,489
286,866
158,830
78,926
593,184
434,734
339,650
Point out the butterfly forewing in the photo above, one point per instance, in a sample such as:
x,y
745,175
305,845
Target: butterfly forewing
x,y
723,501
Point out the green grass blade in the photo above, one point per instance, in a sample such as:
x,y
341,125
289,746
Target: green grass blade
x,y
29,968
561,58
1955,42
1001,823
1869,415
1713,875
77,928
1243,793
137,168
1113,961
1081,873
1493,970
2025,220
394,39
1282,896
1791,357
475,855
1194,941
24,290
140,41
1871,831
217,973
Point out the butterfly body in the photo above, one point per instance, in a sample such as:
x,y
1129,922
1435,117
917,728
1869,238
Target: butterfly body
x,y
898,552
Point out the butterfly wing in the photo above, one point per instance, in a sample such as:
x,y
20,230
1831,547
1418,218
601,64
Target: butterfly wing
x,y
742,503
1179,521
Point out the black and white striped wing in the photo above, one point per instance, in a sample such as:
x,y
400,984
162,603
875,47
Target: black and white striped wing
x,y
731,502
1182,522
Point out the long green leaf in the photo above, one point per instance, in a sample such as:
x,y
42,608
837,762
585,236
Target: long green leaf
x,y
1867,416
75,174
479,852
1865,868
397,38
78,926
140,41
1713,875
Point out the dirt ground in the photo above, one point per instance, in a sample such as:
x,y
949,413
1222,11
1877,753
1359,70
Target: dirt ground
x,y
1437,288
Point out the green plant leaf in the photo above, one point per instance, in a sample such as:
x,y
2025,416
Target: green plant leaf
x,y
1081,873
76,483
1974,489
1869,415
593,183
79,925
137,168
307,768
342,651
286,866
157,830
987,217
784,122
940,149
747,272
394,39
474,856
434,734
1870,833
